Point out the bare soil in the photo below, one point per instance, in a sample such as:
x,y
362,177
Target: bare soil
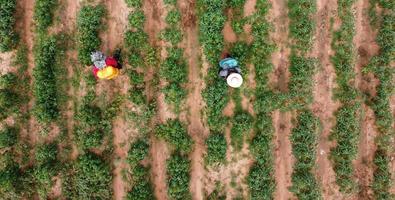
x,y
196,128
229,35
6,63
284,159
364,41
324,106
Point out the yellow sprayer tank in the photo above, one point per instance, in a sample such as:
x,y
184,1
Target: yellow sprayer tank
x,y
108,73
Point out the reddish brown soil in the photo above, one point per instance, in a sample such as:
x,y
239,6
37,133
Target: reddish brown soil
x,y
279,17
229,35
364,41
283,154
195,102
249,7
6,63
324,106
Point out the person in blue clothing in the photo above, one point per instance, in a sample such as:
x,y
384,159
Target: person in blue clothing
x,y
230,71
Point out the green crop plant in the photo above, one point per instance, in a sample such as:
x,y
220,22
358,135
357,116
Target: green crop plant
x,y
91,178
43,14
142,188
304,145
134,3
347,128
242,123
175,133
138,152
8,37
178,167
301,25
89,22
260,178
45,90
8,137
216,148
380,65
136,19
10,98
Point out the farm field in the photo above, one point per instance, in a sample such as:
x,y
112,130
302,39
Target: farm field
x,y
314,118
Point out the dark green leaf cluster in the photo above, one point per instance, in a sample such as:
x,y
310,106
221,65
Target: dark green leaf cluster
x,y
8,37
138,152
43,14
304,145
142,188
178,171
92,178
216,148
134,3
8,137
242,124
174,132
260,179
89,23
45,88
9,98
136,19
301,25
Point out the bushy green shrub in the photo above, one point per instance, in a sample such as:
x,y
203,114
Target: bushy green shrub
x,y
8,80
136,19
138,151
242,124
174,132
8,137
92,178
8,102
46,153
134,3
142,188
8,37
45,89
43,14
216,148
89,23
178,172
173,18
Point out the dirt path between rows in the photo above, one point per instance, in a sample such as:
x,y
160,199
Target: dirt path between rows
x,y
154,11
324,106
112,38
279,81
196,128
364,42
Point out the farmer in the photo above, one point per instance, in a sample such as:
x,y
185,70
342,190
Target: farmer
x,y
230,71
105,67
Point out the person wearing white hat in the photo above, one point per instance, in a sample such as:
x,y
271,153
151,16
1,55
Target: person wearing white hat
x,y
231,72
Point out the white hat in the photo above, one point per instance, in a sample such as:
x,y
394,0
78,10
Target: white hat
x,y
234,80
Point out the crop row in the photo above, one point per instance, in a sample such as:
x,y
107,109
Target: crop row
x,y
8,37
141,56
260,179
346,130
88,26
304,135
43,14
381,66
174,68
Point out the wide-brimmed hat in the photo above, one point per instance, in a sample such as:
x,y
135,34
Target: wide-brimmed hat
x,y
234,80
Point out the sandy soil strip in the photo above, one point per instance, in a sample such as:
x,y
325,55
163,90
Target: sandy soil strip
x,y
195,102
283,154
279,80
155,12
324,106
364,41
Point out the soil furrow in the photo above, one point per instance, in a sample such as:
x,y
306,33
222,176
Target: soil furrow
x,y
324,106
195,102
154,12
364,42
279,81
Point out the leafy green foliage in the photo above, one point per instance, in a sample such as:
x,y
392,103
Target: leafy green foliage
x,y
216,148
173,18
8,137
88,27
92,178
8,37
142,188
45,90
138,152
176,134
178,172
134,3
46,154
304,145
301,26
43,14
136,19
8,80
347,128
381,66
242,123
